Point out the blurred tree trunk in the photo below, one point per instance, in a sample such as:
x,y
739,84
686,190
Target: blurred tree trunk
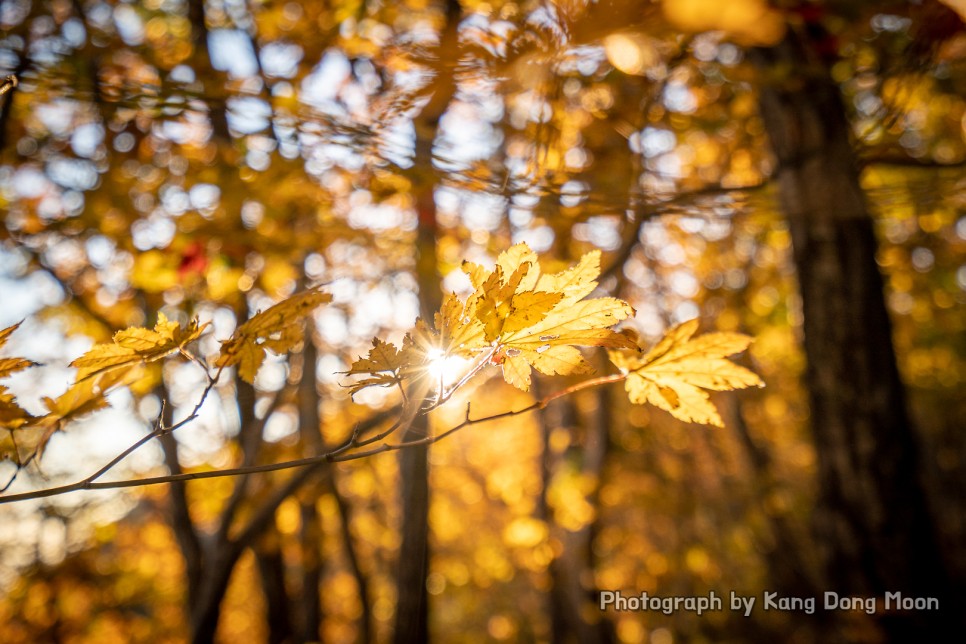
x,y
310,537
873,517
352,557
214,82
573,592
412,607
271,569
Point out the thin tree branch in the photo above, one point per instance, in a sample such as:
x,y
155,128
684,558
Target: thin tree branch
x,y
337,455
159,430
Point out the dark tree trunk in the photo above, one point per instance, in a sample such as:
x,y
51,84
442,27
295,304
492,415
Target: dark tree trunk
x,y
873,520
271,569
362,582
213,88
412,608
206,607
310,603
310,538
557,414
412,617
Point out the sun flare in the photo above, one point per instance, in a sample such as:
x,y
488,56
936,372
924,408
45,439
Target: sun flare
x,y
444,368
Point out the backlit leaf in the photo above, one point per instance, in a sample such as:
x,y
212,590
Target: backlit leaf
x,y
383,364
27,436
526,320
6,333
137,345
460,332
12,365
675,373
539,319
12,415
278,328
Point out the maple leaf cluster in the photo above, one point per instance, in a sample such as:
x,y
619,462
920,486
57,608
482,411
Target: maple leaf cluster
x,y
517,317
109,365
26,434
523,319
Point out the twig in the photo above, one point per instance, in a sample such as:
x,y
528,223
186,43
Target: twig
x,y
336,456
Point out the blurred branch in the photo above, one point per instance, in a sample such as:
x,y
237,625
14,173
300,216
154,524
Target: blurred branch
x,y
250,437
159,430
69,291
8,84
644,212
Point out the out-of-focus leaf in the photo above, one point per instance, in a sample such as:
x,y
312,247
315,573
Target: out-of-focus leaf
x,y
278,328
137,345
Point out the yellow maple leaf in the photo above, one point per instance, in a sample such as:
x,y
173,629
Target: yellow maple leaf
x,y
675,372
81,398
523,318
278,328
137,345
456,333
12,365
382,364
458,329
505,304
28,436
540,324
6,333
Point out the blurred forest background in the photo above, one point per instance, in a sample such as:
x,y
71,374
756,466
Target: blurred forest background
x,y
792,170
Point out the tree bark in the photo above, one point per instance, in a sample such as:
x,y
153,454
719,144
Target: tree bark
x,y
873,519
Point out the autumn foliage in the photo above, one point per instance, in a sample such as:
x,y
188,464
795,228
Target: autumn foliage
x,y
425,320
516,318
